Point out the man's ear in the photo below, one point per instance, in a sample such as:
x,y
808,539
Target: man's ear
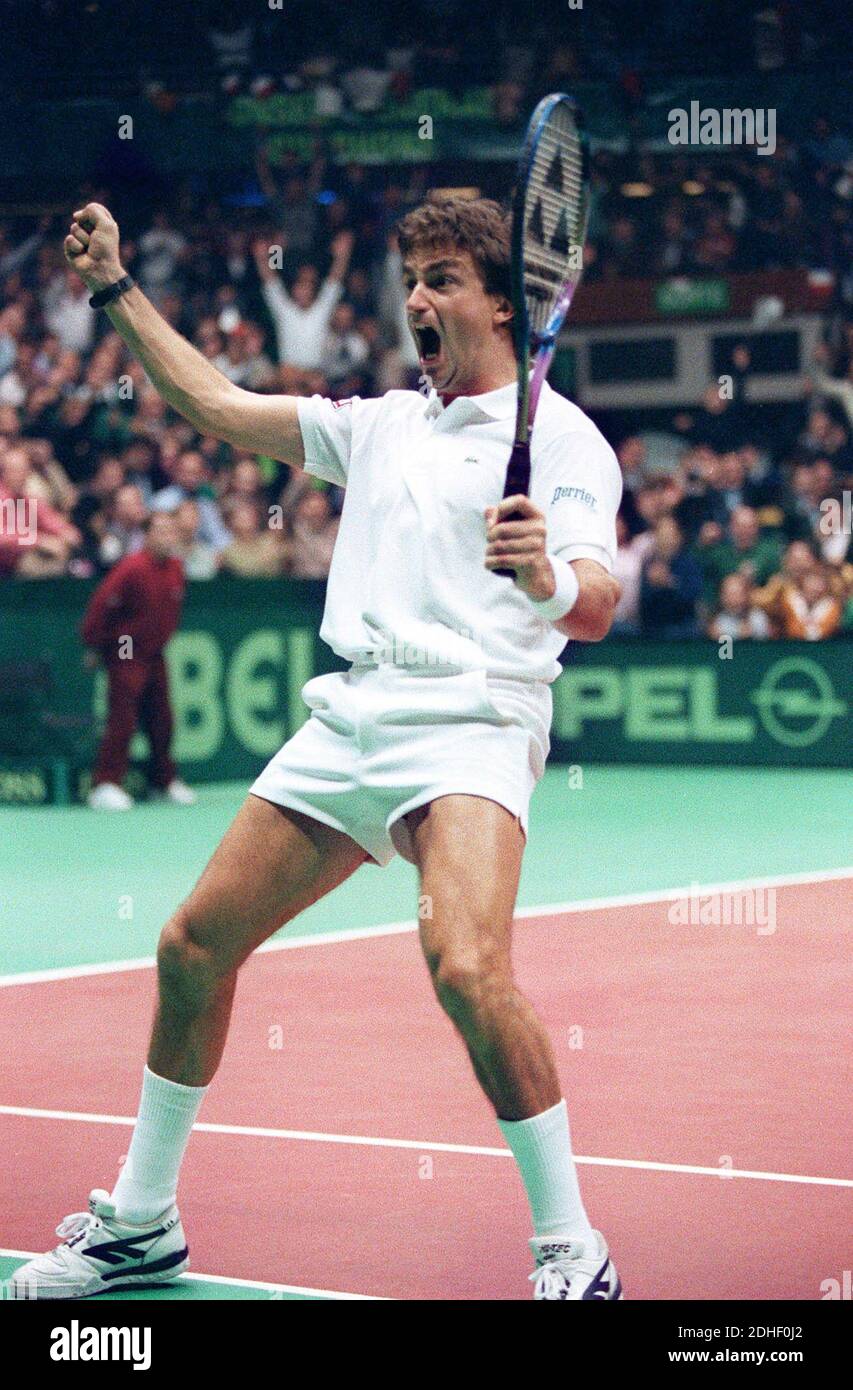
x,y
504,311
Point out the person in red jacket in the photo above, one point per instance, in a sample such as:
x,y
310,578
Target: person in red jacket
x,y
130,618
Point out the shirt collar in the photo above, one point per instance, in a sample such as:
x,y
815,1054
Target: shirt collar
x,y
472,410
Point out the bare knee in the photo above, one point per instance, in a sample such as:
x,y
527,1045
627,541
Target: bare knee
x,y
469,983
190,972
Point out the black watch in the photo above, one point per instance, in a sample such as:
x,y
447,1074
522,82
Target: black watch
x,y
104,297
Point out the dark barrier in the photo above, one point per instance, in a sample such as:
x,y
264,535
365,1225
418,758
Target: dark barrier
x,y
246,648
749,703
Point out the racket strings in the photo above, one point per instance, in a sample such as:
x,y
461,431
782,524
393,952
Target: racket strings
x,y
554,217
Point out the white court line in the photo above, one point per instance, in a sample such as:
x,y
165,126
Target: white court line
x,y
292,943
238,1283
377,1142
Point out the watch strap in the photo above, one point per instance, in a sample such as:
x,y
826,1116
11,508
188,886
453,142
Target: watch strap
x,y
112,292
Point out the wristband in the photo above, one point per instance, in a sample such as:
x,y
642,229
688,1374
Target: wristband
x,y
564,597
104,297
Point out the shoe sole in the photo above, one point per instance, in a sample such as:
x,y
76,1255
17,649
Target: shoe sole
x,y
131,1282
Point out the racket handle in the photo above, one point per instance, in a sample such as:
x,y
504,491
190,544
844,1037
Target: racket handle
x,y
504,572
518,471
517,481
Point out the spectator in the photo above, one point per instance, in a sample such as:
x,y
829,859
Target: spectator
x,y
779,597
302,318
809,485
125,529
657,499
721,422
68,315
161,251
715,246
626,255
314,532
670,586
294,208
630,553
244,361
139,461
672,250
84,398
808,609
36,541
245,484
94,506
824,437
190,482
738,616
345,350
12,369
47,480
702,507
741,549
200,560
633,461
255,552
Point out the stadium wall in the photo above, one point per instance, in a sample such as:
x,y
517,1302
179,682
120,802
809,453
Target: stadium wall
x,y
246,648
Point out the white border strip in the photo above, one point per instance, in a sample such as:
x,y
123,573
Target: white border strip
x,y
378,1142
237,1283
292,943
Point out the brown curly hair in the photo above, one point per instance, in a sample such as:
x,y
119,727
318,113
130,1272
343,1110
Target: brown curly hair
x,y
476,225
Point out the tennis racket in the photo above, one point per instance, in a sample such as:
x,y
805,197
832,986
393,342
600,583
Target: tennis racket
x,y
550,209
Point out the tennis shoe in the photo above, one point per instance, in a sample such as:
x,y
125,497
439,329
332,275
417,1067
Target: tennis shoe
x,y
574,1269
107,796
100,1254
177,792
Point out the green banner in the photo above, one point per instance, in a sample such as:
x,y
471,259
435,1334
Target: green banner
x,y
236,667
748,703
684,296
246,648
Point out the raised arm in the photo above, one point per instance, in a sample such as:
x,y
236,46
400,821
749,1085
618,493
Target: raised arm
x,y
184,378
341,249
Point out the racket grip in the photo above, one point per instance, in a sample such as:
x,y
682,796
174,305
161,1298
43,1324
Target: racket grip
x,y
518,471
504,571
517,480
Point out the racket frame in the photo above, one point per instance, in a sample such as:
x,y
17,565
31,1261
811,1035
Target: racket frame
x,y
525,340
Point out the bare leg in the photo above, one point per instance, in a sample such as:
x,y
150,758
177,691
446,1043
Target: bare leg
x,y
271,864
469,852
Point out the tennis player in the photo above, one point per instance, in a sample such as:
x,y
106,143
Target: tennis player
x,y
429,745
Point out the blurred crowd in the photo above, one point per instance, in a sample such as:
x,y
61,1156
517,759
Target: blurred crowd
x,y
723,530
725,536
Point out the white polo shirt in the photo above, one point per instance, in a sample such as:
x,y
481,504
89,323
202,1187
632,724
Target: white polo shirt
x,y
407,583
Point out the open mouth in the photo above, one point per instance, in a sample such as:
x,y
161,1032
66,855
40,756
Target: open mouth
x,y
429,345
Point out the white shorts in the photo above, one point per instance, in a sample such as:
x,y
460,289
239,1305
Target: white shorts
x,y
382,740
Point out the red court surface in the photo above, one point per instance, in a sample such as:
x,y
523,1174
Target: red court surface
x,y
709,1046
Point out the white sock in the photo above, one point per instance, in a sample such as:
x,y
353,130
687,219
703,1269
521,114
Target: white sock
x,y
148,1181
543,1151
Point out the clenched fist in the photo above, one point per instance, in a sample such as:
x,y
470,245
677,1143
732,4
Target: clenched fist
x,y
92,247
